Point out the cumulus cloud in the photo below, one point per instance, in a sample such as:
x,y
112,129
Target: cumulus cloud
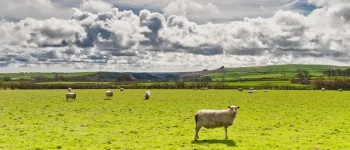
x,y
191,9
122,40
95,6
39,9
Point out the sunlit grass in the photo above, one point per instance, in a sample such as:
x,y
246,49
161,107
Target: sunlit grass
x,y
43,119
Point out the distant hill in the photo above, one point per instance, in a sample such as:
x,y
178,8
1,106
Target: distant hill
x,y
262,72
228,74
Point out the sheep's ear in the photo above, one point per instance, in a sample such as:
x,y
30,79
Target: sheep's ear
x,y
237,107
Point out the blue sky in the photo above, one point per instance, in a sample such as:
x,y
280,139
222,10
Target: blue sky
x,y
171,35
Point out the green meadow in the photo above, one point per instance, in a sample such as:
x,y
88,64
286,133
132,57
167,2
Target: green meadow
x,y
43,119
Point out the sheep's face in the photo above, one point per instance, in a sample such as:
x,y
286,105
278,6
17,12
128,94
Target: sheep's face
x,y
233,109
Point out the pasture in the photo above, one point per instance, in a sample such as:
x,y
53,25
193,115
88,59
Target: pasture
x,y
43,119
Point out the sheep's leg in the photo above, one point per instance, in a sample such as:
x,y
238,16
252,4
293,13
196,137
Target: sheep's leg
x,y
197,130
226,133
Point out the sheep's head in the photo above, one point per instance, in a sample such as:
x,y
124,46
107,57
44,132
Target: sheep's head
x,y
233,109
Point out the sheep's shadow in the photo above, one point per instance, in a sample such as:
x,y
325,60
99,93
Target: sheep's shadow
x,y
214,141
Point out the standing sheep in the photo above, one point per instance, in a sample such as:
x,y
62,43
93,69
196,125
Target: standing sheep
x,y
109,94
240,89
71,95
121,89
215,119
341,90
147,95
323,89
266,90
69,89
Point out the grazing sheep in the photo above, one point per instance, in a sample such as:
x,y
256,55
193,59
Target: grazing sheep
x,y
71,95
266,90
341,90
109,94
215,118
251,91
240,89
121,89
323,89
147,95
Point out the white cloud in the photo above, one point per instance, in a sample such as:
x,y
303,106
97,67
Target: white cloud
x,y
39,9
191,9
151,41
95,6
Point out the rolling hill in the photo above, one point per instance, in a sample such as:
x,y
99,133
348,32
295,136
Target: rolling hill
x,y
228,74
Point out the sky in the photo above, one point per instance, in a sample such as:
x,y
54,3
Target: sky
x,y
170,35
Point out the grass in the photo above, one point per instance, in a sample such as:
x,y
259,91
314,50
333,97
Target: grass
x,y
73,82
49,75
43,119
275,71
242,83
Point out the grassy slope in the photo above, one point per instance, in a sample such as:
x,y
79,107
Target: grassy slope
x,y
276,120
49,75
276,71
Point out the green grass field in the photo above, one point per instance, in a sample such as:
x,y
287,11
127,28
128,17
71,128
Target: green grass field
x,y
242,83
43,119
73,82
275,71
49,75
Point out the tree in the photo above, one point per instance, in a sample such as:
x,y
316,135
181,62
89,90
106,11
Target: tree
x,y
7,79
124,77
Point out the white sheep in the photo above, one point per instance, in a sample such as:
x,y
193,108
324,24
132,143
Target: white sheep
x,y
323,89
147,95
121,89
109,94
69,89
240,89
341,90
215,118
266,90
71,95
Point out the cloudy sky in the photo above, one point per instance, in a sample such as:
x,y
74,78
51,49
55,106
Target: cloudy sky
x,y
170,35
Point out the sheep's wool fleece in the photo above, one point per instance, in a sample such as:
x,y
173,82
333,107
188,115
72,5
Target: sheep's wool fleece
x,y
215,118
109,93
71,95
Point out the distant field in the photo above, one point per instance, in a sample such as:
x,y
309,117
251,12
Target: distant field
x,y
242,83
49,75
42,119
73,82
276,71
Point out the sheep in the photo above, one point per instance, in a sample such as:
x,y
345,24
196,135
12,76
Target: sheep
x,y
109,94
240,89
147,95
323,89
71,95
251,91
266,90
341,90
215,118
121,89
69,89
